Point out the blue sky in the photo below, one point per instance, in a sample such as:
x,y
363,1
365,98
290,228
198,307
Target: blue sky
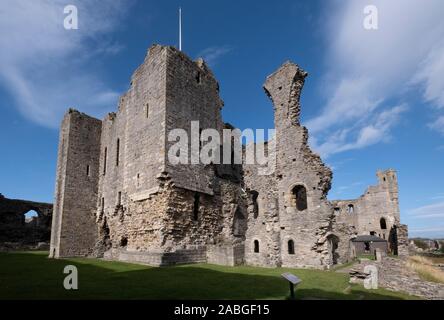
x,y
374,99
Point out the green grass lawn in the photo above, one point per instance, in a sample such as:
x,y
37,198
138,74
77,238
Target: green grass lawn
x,y
31,275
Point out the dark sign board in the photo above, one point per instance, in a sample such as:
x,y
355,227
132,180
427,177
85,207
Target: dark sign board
x,y
291,277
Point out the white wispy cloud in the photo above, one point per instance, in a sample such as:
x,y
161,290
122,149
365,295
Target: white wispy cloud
x,y
366,133
438,124
45,68
368,69
213,54
435,210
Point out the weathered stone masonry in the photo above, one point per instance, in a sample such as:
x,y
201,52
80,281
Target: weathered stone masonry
x,y
118,196
15,228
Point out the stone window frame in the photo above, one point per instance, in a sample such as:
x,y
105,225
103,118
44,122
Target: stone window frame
x,y
105,158
291,202
292,247
147,110
350,208
256,246
255,203
102,205
117,152
119,198
381,224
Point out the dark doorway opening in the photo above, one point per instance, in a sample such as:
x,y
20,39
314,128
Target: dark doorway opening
x,y
367,246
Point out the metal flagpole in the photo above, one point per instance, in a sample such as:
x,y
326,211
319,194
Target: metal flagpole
x,y
180,29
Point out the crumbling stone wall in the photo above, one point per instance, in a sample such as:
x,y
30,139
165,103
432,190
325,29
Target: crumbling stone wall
x,y
14,227
376,212
283,223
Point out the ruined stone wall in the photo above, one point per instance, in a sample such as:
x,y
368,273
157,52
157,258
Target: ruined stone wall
x,y
15,228
74,229
378,202
263,225
297,168
376,211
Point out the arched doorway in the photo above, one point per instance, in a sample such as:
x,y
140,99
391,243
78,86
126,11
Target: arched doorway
x,y
332,245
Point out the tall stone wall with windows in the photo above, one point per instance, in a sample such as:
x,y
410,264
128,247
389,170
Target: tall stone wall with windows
x,y
293,227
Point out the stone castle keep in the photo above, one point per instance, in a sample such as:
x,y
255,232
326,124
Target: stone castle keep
x,y
118,197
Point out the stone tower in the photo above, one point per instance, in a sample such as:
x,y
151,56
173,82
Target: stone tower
x,y
74,231
144,208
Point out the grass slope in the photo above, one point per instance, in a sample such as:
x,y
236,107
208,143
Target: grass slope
x,y
31,275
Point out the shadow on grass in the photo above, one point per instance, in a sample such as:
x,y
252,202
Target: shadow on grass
x,y
34,276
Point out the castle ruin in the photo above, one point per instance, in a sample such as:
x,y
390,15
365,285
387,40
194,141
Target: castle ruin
x,y
118,197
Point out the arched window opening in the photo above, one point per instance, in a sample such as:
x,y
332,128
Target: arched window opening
x,y
31,216
383,223
350,208
256,246
290,247
299,197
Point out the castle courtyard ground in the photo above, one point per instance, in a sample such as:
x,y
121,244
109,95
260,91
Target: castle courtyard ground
x,y
31,275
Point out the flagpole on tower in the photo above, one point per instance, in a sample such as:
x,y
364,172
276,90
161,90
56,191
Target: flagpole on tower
x,y
180,29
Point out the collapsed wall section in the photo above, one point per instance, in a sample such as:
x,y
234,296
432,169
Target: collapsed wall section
x,y
295,217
